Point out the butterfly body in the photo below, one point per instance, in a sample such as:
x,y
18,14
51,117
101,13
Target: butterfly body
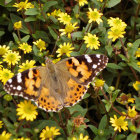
x,y
59,85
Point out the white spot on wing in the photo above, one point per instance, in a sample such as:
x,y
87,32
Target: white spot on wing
x,y
19,80
19,87
88,58
98,55
94,66
10,81
11,85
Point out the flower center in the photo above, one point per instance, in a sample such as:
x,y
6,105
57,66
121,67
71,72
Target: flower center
x,y
119,122
12,57
49,134
94,15
69,29
6,75
41,44
28,109
92,40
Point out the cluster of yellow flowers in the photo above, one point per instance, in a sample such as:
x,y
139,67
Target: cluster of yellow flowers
x,y
13,57
23,5
117,28
27,111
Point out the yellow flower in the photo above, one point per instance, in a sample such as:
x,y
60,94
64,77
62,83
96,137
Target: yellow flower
x,y
125,99
132,112
49,133
92,41
117,23
1,124
18,25
64,49
115,33
81,137
27,65
119,123
5,136
29,5
138,53
25,47
4,49
136,85
54,13
27,111
23,5
11,57
99,83
40,44
69,28
5,75
1,65
56,60
22,138
64,18
82,2
138,63
94,15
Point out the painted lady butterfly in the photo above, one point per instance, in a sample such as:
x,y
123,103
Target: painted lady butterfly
x,y
59,85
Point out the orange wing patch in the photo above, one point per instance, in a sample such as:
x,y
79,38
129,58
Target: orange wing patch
x,y
78,70
75,93
32,83
48,102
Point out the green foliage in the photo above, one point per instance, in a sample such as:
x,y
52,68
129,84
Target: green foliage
x,y
91,116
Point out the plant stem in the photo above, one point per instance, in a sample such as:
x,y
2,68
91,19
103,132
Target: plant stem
x,y
114,135
62,124
19,126
134,73
136,16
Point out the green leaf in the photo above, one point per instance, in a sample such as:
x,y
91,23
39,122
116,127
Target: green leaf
x,y
77,110
35,50
120,137
25,38
137,101
123,57
115,94
93,129
138,130
2,33
41,34
109,49
54,35
7,1
32,11
29,19
134,65
103,122
113,66
132,137
86,95
15,37
48,5
108,106
112,3
77,34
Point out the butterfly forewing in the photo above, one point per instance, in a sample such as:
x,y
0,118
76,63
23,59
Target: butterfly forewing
x,y
25,84
86,67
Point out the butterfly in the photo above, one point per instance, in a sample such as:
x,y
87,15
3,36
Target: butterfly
x,y
59,85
